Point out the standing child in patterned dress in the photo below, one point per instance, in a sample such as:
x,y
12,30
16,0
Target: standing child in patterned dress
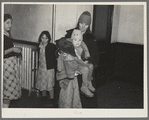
x,y
47,64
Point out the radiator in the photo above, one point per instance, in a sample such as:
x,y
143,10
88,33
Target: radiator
x,y
28,68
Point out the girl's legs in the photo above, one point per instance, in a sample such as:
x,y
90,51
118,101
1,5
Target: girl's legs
x,y
90,86
51,93
44,93
6,103
84,88
91,67
51,100
44,96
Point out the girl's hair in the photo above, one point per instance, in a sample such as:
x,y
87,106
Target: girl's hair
x,y
7,16
45,33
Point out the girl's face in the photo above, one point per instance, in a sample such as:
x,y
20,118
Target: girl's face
x,y
83,27
7,25
44,39
77,42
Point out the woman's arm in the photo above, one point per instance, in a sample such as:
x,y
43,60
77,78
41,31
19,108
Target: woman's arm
x,y
79,61
13,49
8,51
87,54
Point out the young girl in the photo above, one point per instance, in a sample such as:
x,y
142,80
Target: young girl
x,y
47,64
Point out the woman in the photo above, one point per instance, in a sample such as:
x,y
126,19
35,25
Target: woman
x,y
88,38
11,83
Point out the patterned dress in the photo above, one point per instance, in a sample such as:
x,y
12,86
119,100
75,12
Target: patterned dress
x,y
69,96
11,82
45,78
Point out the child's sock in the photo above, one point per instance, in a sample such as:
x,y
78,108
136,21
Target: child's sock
x,y
86,91
51,93
91,88
6,103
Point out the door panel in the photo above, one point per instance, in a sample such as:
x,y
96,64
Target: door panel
x,y
102,22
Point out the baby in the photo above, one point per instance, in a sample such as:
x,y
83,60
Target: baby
x,y
71,59
82,53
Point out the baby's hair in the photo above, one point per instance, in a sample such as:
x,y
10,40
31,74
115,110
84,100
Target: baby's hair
x,y
45,33
76,33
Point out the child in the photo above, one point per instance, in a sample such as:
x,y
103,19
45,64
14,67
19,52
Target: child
x,y
47,64
80,48
69,64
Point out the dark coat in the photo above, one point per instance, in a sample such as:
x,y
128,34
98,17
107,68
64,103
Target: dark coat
x,y
8,43
50,56
89,40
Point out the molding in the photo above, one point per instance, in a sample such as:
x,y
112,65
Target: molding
x,y
129,45
25,42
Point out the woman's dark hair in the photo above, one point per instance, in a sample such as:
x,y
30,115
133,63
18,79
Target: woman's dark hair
x,y
45,33
7,16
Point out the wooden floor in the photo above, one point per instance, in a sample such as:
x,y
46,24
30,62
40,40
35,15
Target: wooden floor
x,y
115,93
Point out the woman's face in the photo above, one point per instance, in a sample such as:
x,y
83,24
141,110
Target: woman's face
x,y
83,27
7,25
44,39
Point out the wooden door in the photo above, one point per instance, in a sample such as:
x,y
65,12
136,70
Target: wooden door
x,y
102,22
102,26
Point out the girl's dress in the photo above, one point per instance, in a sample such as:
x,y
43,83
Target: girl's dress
x,y
11,82
45,77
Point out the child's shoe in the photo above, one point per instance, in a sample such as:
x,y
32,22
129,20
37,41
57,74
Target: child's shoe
x,y
86,92
90,87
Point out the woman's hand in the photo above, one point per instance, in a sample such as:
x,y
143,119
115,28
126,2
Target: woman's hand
x,y
17,49
86,62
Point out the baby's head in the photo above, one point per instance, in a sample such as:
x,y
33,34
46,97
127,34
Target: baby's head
x,y
76,37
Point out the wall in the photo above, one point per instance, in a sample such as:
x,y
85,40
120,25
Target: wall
x,y
29,20
128,24
67,17
115,25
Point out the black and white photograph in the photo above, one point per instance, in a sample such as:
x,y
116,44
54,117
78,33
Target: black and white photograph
x,y
86,59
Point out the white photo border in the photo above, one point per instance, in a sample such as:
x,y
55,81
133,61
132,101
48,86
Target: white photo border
x,y
80,113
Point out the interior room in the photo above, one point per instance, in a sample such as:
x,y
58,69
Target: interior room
x,y
119,34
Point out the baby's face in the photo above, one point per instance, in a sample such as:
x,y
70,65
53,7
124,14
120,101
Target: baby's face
x,y
77,41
